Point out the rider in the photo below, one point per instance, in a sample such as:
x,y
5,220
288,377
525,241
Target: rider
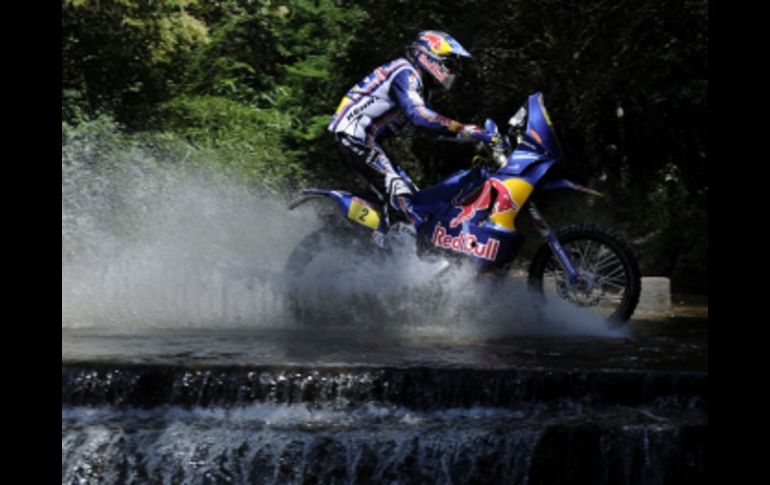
x,y
382,104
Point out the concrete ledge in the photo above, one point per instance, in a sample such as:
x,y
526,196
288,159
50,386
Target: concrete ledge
x,y
656,295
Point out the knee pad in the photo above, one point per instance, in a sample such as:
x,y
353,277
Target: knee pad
x,y
396,187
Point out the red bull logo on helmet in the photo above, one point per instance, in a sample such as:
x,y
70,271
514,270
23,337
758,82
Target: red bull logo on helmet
x,y
438,44
465,243
481,199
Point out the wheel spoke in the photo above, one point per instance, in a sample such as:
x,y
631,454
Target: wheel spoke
x,y
609,283
614,273
605,261
584,252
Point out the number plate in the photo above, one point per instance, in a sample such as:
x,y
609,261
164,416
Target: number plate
x,y
363,213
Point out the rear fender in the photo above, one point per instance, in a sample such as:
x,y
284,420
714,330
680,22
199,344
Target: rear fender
x,y
352,207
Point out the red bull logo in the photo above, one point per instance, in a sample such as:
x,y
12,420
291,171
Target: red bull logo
x,y
465,243
437,44
434,40
481,199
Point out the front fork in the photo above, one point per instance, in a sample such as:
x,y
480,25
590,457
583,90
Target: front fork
x,y
553,242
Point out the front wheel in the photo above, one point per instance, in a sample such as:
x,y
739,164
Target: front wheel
x,y
609,280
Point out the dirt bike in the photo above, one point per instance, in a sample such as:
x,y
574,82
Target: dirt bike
x,y
472,214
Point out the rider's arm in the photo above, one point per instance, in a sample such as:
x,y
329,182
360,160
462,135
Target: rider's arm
x,y
406,89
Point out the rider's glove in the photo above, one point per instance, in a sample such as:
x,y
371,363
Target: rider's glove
x,y
475,133
496,142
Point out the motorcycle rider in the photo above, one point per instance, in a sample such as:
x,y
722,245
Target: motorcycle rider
x,y
389,98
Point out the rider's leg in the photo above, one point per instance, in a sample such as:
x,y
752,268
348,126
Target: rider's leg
x,y
372,163
407,208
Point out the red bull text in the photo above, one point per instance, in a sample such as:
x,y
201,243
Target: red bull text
x,y
465,243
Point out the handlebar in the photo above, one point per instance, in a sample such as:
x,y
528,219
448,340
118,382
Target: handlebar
x,y
498,144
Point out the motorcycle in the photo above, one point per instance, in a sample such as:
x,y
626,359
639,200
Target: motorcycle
x,y
472,214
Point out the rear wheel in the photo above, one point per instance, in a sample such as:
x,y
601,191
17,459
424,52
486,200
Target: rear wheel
x,y
609,280
324,273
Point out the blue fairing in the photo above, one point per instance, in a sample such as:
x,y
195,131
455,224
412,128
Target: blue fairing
x,y
538,144
538,122
537,171
438,198
519,161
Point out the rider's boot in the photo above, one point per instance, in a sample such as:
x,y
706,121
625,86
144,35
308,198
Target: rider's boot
x,y
406,206
404,234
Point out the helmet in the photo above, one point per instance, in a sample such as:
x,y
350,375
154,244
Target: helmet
x,y
437,53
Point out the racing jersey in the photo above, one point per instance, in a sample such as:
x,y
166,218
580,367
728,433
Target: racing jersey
x,y
384,102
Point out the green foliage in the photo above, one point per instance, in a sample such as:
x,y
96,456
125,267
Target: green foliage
x,y
122,57
246,140
238,62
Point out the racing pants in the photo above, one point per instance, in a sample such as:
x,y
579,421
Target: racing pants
x,y
385,177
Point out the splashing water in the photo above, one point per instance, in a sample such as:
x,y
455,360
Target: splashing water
x,y
145,245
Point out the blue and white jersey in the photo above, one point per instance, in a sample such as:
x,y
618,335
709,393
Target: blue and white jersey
x,y
384,101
